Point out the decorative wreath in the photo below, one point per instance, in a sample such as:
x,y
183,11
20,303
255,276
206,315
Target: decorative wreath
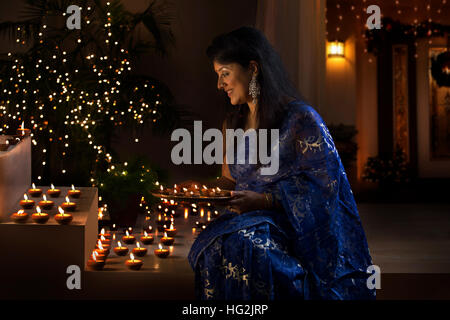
x,y
440,69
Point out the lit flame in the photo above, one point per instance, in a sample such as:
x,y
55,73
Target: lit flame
x,y
172,202
99,244
218,189
67,199
102,238
94,257
127,233
175,186
204,187
160,246
25,196
73,187
22,126
185,213
60,210
195,186
131,256
202,212
165,234
38,210
145,234
102,231
171,226
114,236
44,197
52,186
33,185
118,244
184,189
159,217
161,187
138,245
20,211
150,228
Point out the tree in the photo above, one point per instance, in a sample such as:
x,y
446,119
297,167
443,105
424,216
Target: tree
x,y
74,88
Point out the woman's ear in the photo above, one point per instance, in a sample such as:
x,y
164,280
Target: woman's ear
x,y
253,67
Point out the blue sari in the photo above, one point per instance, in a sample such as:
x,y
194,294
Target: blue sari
x,y
314,248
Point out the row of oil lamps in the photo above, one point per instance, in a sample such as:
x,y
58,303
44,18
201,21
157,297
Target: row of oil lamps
x,y
98,257
41,217
195,191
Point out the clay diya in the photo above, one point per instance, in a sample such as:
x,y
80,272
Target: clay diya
x,y
105,234
40,217
26,203
46,204
62,217
19,216
53,192
161,253
95,263
139,251
34,192
147,239
100,249
133,264
69,206
74,193
168,241
120,250
128,239
22,131
223,193
172,231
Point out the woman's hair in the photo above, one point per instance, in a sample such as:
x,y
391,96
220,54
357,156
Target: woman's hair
x,y
242,46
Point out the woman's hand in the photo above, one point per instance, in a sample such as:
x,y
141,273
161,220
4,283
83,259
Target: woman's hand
x,y
246,200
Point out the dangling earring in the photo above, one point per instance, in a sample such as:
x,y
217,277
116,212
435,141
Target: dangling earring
x,y
254,89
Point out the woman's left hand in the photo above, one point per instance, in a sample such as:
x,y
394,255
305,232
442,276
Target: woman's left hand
x,y
246,200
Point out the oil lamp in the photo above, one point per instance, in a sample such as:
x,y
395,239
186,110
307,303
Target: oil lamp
x,y
40,217
46,204
34,192
26,203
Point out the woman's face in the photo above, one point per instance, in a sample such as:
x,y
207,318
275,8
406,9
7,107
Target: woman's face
x,y
234,80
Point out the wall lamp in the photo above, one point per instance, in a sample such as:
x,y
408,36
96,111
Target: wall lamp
x,y
336,49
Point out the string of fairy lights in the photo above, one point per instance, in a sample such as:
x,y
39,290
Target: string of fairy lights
x,y
413,12
86,108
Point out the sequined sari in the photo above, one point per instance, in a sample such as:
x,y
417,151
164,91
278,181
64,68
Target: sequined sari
x,y
313,248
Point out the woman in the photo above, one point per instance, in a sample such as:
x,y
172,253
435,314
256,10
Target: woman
x,y
296,233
